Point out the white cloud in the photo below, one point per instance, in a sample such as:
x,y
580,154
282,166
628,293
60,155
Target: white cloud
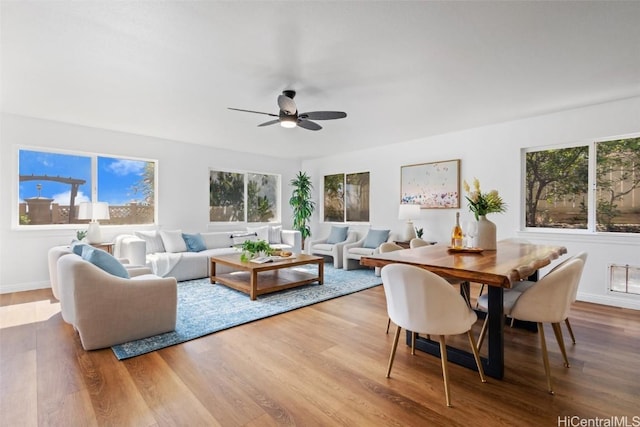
x,y
65,198
126,167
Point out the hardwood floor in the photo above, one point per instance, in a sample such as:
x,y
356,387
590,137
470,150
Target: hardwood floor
x,y
322,365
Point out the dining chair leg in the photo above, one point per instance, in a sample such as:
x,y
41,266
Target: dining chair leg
x,y
393,350
558,332
388,323
476,356
413,343
465,291
480,293
483,332
566,322
545,356
445,370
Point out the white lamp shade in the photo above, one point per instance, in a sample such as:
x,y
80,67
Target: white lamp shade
x,y
100,210
409,212
93,211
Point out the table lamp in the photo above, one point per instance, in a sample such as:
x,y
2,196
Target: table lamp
x,y
409,212
94,212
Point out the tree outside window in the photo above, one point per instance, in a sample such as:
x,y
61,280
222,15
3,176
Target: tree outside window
x,y
262,197
557,187
346,197
231,194
357,197
617,183
334,198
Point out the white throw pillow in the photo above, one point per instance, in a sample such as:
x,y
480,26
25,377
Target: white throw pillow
x,y
152,239
173,241
275,234
261,232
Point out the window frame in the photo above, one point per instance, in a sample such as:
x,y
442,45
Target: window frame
x,y
344,198
592,198
278,204
15,193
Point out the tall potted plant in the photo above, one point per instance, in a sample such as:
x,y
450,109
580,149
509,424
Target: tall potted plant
x,y
302,204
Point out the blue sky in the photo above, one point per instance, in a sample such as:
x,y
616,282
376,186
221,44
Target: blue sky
x,y
116,177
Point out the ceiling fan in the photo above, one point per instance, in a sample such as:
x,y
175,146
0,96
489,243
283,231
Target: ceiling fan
x,y
289,117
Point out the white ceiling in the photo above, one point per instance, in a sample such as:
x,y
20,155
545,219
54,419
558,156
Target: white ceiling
x,y
401,70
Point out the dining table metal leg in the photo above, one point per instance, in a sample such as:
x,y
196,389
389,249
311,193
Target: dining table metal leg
x,y
494,363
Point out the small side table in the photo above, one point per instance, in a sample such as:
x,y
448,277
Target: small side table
x,y
107,246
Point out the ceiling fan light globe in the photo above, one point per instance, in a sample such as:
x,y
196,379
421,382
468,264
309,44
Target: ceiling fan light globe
x,y
288,123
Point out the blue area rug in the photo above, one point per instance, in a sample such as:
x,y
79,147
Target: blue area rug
x,y
204,308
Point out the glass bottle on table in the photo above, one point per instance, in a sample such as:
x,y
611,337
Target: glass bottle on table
x,y
456,233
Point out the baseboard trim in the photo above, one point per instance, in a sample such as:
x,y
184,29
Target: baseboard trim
x,y
622,302
21,287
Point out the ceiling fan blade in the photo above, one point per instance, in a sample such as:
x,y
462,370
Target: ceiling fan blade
x,y
324,115
287,104
269,123
306,124
251,111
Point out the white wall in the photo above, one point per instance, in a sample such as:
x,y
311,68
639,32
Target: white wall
x,y
493,155
182,192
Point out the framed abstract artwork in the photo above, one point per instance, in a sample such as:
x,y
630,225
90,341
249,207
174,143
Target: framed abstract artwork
x,y
431,185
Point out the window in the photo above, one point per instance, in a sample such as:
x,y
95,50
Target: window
x,y
52,186
357,196
346,197
557,183
334,197
262,197
231,194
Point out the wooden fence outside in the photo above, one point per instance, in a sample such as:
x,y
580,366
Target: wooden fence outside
x,y
132,213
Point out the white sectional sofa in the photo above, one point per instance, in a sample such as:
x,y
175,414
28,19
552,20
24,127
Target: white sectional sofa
x,y
171,253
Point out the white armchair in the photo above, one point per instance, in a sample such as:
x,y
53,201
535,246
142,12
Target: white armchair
x,y
58,251
368,245
107,309
334,250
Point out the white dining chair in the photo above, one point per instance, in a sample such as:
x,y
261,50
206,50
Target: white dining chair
x,y
548,301
417,242
510,296
526,284
389,247
423,302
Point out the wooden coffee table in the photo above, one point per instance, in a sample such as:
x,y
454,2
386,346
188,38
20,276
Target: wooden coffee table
x,y
256,279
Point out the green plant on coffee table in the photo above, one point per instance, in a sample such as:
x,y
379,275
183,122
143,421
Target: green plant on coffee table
x,y
419,232
81,234
251,247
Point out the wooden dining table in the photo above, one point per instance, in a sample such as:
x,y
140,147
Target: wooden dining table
x,y
511,262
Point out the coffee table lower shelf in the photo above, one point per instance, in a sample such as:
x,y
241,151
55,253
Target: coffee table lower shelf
x,y
260,279
268,281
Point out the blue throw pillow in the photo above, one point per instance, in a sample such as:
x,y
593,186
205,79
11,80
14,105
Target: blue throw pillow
x,y
77,246
337,235
194,242
375,238
105,261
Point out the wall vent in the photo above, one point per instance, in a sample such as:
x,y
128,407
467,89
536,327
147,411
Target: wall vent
x,y
624,279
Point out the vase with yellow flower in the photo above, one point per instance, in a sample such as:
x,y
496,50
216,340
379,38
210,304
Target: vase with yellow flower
x,y
482,204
